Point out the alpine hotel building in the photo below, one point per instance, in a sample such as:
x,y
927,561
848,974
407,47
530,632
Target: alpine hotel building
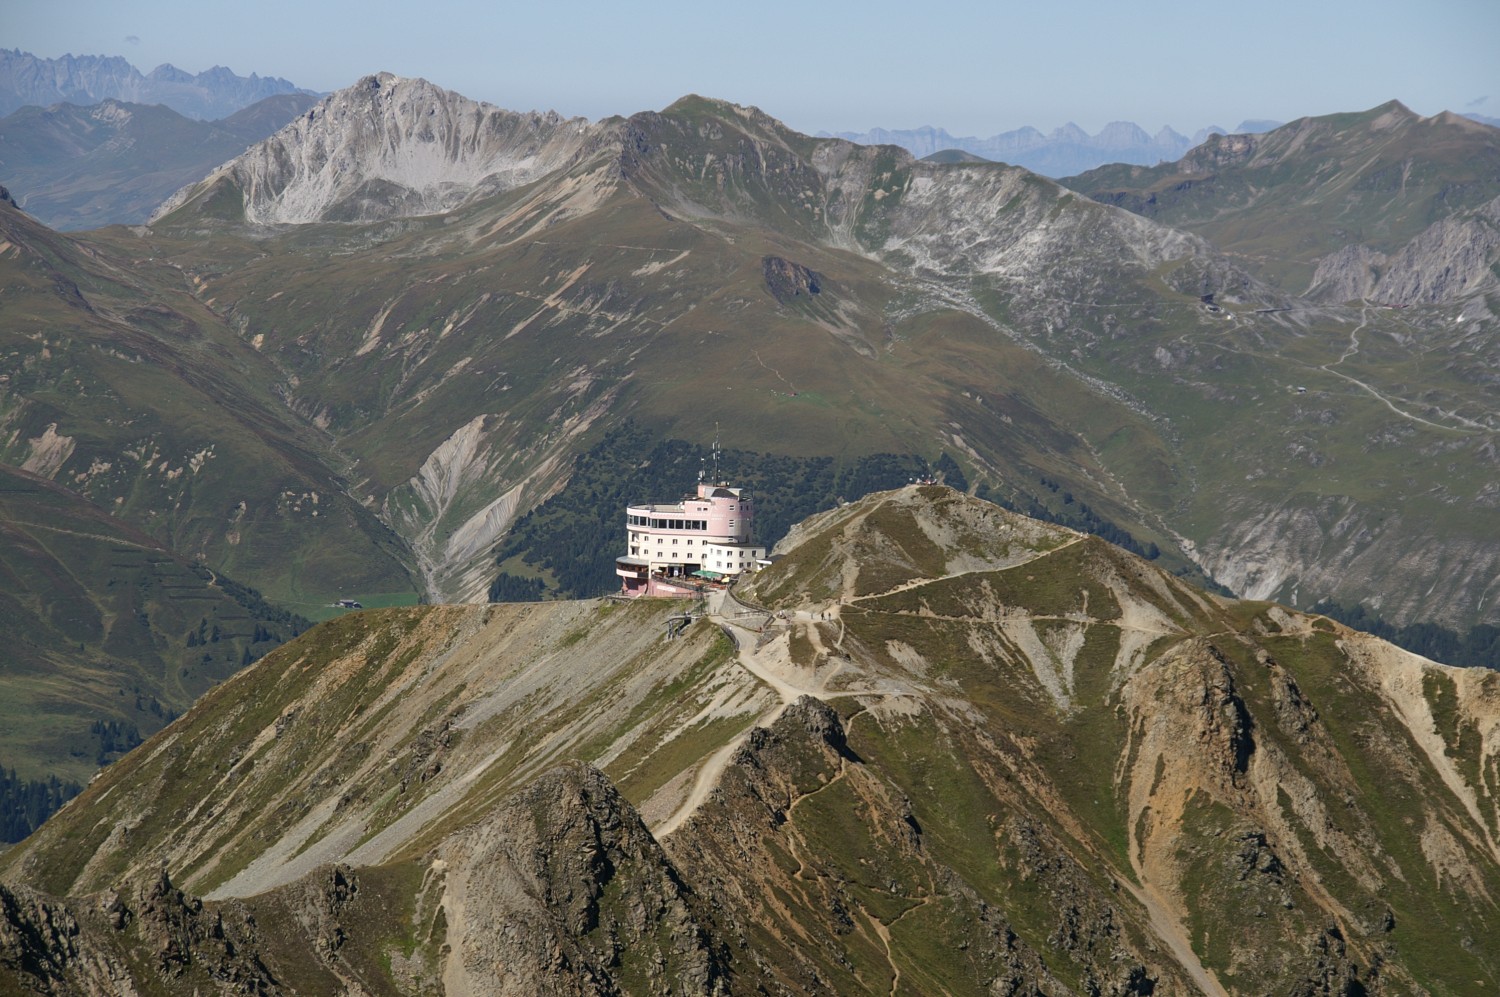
x,y
706,536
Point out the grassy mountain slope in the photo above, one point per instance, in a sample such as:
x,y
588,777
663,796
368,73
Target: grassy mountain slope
x,y
705,265
121,386
991,753
105,626
661,281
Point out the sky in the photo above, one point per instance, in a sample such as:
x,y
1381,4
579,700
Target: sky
x,y
974,68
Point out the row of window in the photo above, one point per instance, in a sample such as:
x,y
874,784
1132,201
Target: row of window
x,y
646,552
667,524
637,538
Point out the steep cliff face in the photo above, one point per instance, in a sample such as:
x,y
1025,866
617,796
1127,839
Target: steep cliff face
x,y
959,751
390,147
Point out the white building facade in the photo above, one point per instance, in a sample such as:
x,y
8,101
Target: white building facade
x,y
706,535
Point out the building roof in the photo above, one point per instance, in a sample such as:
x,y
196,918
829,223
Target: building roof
x,y
635,562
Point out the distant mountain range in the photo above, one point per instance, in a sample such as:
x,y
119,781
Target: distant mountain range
x,y
26,79
112,162
1063,152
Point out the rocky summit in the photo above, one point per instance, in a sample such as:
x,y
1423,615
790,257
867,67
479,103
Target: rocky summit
x,y
390,147
936,747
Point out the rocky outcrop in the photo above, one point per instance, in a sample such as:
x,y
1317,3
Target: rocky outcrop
x,y
965,753
761,842
587,898
788,281
148,935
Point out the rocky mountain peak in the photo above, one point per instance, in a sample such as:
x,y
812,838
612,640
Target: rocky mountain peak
x,y
390,146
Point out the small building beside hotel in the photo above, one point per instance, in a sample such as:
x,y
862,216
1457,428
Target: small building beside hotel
x,y
704,537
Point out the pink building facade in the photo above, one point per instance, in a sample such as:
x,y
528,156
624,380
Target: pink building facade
x,y
705,536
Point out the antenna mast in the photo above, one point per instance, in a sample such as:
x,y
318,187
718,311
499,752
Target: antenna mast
x,y
718,480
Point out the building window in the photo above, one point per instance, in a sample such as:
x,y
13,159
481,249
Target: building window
x,y
674,541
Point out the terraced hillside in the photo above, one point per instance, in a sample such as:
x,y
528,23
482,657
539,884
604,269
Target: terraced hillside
x,y
957,751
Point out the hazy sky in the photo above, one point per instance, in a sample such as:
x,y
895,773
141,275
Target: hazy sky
x,y
975,68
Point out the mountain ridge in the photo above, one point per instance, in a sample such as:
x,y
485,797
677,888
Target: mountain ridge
x,y
426,163
1412,173
709,265
994,256
951,730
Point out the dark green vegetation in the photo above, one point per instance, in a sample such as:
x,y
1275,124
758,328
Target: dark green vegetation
x,y
566,547
1478,648
75,167
25,803
1074,515
972,309
363,401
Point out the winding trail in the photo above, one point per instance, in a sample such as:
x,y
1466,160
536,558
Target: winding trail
x,y
1353,348
770,664
753,660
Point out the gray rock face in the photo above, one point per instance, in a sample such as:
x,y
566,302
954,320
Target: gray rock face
x,y
1446,262
214,93
390,147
